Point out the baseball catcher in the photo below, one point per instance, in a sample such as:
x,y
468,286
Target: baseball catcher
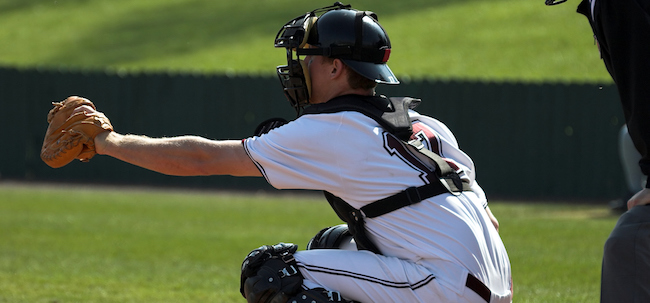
x,y
418,226
71,132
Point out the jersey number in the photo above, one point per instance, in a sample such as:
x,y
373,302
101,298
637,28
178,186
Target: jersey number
x,y
420,131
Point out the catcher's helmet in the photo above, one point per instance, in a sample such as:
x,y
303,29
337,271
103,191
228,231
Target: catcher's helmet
x,y
357,39
340,32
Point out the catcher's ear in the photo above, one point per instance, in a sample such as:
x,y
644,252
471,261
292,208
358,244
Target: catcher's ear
x,y
337,68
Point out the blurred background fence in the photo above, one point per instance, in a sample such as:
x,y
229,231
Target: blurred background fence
x,y
528,140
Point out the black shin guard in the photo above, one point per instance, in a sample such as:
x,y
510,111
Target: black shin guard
x,y
270,274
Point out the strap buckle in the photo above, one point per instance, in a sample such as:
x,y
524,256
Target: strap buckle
x,y
334,296
288,271
455,180
413,195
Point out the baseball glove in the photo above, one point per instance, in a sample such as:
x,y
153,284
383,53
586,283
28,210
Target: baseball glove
x,y
72,135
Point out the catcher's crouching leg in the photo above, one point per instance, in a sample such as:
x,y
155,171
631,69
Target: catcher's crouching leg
x,y
270,275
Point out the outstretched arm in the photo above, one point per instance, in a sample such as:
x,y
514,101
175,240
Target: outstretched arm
x,y
179,156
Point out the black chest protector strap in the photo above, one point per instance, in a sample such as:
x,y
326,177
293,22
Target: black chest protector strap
x,y
392,115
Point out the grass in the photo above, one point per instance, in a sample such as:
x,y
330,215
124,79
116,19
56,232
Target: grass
x,y
98,245
95,244
68,245
462,39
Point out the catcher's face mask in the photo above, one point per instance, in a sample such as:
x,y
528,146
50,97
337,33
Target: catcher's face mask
x,y
295,75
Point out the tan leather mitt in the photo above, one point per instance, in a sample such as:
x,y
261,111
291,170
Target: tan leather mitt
x,y
72,136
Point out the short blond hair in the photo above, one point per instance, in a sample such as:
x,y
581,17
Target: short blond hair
x,y
356,80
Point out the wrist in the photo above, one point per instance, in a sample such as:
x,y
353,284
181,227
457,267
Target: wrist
x,y
102,142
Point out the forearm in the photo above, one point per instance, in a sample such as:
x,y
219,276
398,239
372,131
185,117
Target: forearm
x,y
179,156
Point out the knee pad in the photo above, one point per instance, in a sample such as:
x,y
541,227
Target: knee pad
x,y
330,237
270,274
318,295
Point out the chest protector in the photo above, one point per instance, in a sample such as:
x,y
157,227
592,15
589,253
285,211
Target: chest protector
x,y
392,115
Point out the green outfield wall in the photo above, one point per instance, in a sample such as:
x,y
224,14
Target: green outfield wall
x,y
528,140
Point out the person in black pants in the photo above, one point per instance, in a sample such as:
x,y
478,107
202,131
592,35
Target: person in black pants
x,y
622,32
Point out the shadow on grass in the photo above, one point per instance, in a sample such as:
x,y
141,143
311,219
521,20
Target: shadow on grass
x,y
176,28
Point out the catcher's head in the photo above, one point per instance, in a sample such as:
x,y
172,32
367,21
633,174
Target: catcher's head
x,y
339,32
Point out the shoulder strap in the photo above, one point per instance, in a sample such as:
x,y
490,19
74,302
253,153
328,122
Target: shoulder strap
x,y
354,220
391,114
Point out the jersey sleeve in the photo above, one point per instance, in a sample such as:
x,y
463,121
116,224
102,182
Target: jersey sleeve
x,y
296,155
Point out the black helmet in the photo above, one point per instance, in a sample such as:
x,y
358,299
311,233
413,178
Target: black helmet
x,y
357,39
340,32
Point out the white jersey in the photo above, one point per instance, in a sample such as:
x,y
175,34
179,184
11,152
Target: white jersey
x,y
349,155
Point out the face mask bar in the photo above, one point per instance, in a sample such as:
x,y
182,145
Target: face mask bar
x,y
294,80
294,76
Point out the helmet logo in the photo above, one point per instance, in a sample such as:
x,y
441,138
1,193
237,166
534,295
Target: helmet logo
x,y
386,55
